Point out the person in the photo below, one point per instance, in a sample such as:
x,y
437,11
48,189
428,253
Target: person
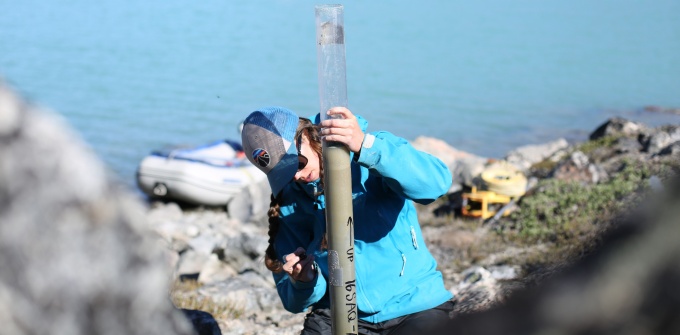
x,y
398,287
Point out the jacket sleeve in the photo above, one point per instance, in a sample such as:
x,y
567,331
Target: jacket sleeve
x,y
413,174
297,296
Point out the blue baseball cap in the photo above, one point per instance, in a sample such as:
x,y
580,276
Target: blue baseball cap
x,y
268,138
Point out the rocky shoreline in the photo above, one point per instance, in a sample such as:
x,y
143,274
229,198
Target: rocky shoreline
x,y
218,265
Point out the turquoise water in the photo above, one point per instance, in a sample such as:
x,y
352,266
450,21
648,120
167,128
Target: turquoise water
x,y
485,76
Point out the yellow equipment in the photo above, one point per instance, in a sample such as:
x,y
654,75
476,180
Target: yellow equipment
x,y
502,184
483,204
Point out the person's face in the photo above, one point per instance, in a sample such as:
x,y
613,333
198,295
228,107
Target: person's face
x,y
311,171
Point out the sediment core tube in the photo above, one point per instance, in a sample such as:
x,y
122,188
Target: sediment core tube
x,y
330,38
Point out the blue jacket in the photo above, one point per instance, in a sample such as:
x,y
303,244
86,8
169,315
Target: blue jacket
x,y
395,273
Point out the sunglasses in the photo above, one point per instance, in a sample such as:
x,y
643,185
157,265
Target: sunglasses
x,y
302,160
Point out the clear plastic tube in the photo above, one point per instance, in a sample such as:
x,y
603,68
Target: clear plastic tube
x,y
330,51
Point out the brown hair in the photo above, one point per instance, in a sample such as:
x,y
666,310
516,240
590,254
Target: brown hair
x,y
271,259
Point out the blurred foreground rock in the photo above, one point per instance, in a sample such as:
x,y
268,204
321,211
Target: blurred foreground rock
x,y
75,253
627,286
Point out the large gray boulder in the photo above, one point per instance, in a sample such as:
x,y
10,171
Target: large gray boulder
x,y
75,254
618,126
526,156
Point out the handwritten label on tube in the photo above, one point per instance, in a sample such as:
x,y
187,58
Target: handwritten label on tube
x,y
350,300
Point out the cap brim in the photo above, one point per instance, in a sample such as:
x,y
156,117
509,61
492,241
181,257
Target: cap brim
x,y
284,172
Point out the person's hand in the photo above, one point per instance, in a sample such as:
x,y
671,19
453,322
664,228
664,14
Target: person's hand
x,y
299,266
345,129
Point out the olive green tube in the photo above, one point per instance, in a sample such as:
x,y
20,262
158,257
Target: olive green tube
x,y
337,173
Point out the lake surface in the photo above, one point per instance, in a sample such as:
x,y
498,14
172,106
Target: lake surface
x,y
485,76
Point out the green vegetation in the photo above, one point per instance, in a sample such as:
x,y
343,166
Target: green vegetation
x,y
605,141
543,167
561,210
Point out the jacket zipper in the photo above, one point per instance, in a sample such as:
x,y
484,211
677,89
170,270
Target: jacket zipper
x,y
413,238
